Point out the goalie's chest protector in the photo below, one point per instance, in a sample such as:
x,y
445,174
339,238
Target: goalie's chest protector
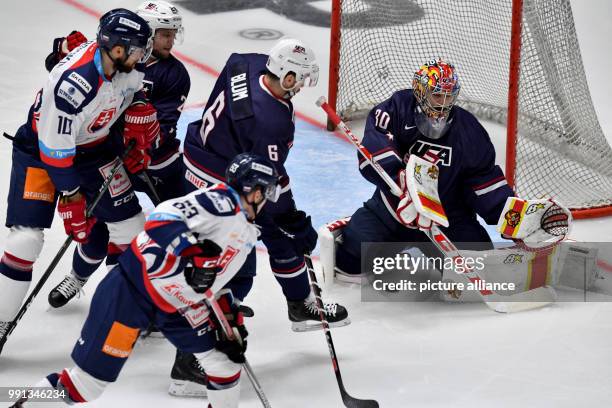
x,y
465,152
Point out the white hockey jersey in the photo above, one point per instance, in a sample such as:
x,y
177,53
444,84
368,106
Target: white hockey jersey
x,y
154,263
77,107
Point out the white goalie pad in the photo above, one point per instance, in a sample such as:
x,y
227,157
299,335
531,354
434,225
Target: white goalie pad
x,y
329,236
513,270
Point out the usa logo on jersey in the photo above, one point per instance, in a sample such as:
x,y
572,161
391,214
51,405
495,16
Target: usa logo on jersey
x,y
102,120
420,148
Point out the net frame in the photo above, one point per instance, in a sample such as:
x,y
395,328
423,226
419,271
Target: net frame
x,y
551,138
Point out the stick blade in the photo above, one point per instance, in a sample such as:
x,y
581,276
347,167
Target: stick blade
x,y
351,402
529,300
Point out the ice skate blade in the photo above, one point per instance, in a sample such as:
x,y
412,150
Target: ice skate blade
x,y
184,388
311,325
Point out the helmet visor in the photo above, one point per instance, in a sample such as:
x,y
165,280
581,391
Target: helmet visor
x,y
141,53
271,191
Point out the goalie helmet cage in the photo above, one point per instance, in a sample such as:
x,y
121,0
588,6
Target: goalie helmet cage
x,y
519,64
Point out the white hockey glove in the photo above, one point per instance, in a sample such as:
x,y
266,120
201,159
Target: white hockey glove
x,y
420,204
534,222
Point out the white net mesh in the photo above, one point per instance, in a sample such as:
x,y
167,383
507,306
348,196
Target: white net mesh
x,y
561,149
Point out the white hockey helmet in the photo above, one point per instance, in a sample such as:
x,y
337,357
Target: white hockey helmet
x,y
291,55
161,14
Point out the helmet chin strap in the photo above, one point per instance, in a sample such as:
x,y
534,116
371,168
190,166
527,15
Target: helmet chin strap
x,y
291,92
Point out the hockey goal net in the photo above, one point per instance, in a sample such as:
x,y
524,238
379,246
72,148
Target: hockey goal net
x,y
555,146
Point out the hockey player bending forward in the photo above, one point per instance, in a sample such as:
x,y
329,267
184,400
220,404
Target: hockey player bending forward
x,y
190,244
64,150
250,110
417,135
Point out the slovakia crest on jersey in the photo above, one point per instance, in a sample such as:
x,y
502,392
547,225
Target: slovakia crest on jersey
x,y
101,120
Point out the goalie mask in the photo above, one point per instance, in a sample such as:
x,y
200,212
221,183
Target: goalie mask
x,y
292,56
436,87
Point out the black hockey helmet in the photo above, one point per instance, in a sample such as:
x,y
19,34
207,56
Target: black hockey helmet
x,y
248,171
124,27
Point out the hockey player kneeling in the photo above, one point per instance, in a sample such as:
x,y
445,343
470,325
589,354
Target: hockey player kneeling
x,y
453,149
190,244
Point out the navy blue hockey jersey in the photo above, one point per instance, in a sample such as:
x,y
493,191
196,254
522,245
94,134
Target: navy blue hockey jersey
x,y
469,180
241,115
166,84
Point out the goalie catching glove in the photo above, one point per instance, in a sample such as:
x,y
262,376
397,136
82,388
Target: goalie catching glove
x,y
419,204
534,221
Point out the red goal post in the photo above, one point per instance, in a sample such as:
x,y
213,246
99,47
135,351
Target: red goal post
x,y
520,65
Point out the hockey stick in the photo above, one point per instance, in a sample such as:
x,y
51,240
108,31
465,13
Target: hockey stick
x,y
63,249
349,401
229,332
530,299
144,176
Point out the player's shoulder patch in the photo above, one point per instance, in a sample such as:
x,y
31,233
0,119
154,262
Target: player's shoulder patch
x,y
74,89
218,201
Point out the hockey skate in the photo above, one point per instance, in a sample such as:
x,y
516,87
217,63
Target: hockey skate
x,y
187,378
66,290
304,315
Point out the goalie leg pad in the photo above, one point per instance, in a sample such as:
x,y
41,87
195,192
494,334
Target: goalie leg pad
x,y
329,237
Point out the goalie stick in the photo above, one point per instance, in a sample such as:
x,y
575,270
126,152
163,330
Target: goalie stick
x,y
43,279
349,401
229,332
531,299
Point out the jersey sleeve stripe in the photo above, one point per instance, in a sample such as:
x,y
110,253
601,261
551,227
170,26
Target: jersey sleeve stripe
x,y
56,157
490,188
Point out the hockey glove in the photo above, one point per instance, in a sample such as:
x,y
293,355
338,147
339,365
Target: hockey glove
x,y
141,125
297,226
72,210
235,348
535,223
62,46
137,161
205,265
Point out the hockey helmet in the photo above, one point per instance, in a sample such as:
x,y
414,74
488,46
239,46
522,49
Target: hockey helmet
x,y
435,86
124,27
248,171
291,55
161,14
